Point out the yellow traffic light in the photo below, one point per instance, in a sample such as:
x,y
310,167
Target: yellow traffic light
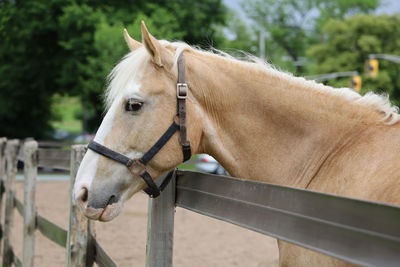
x,y
372,67
356,82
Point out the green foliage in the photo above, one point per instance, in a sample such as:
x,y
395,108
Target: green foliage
x,y
66,110
349,42
282,22
165,19
293,25
67,47
196,19
76,26
161,24
338,9
236,35
29,54
70,46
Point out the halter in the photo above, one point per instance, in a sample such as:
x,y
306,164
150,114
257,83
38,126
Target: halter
x,y
137,166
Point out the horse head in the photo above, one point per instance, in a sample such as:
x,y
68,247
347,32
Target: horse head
x,y
141,105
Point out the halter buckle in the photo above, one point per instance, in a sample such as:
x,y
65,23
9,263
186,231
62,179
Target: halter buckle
x,y
181,90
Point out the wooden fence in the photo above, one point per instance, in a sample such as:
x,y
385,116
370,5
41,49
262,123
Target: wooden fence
x,y
360,232
81,246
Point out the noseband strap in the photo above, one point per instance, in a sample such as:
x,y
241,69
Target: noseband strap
x,y
137,166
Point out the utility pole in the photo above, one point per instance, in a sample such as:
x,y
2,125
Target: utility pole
x,y
261,43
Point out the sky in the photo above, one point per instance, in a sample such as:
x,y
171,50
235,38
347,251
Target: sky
x,y
388,6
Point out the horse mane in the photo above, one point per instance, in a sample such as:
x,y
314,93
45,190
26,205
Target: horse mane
x,y
129,68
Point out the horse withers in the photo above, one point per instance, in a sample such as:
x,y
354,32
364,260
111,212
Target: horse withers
x,y
259,123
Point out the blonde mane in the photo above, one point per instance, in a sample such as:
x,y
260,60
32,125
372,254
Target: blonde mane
x,y
128,69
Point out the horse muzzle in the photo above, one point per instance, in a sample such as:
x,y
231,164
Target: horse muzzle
x,y
103,206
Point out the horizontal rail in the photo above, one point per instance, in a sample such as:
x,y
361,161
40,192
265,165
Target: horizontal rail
x,y
101,257
356,231
52,231
17,261
43,144
59,236
333,75
54,158
51,158
392,58
19,206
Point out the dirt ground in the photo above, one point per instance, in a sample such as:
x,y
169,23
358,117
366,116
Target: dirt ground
x,y
198,240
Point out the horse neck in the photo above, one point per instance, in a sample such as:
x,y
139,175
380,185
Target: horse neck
x,y
268,126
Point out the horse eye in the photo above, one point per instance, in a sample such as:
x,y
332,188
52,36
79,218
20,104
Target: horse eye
x,y
133,105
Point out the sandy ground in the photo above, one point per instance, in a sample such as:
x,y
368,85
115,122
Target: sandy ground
x,y
198,241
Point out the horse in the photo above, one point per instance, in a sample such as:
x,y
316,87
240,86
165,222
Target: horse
x,y
260,123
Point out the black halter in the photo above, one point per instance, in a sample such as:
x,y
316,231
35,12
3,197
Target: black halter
x,y
137,166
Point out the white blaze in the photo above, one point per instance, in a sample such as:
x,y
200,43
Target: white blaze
x,y
88,167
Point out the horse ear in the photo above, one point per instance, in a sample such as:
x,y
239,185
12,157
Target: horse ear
x,y
160,55
132,43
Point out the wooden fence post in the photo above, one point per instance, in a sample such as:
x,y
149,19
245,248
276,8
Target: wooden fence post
x,y
30,174
160,228
11,163
3,142
81,230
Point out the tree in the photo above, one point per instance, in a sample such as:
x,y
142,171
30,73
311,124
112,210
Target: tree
x,y
348,43
293,25
110,47
68,47
339,9
29,61
171,21
197,20
236,35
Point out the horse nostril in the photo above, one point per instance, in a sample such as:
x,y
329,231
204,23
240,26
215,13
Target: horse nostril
x,y
83,195
112,200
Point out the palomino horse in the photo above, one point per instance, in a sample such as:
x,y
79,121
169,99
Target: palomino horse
x,y
260,123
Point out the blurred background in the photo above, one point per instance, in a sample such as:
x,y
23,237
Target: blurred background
x,y
55,55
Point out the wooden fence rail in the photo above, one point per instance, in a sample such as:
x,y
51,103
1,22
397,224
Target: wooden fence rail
x,y
82,249
360,232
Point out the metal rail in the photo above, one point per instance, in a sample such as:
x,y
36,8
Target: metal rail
x,y
393,58
333,75
356,231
